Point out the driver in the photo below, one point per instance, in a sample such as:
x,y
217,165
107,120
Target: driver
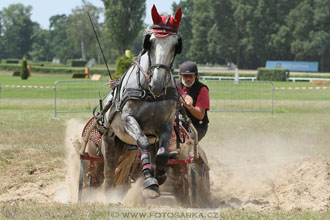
x,y
196,97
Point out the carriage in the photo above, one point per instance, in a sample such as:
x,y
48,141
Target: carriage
x,y
133,135
187,166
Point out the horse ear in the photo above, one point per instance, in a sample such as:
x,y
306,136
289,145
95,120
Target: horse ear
x,y
155,16
178,47
146,42
178,16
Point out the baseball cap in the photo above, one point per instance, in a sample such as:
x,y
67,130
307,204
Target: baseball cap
x,y
188,67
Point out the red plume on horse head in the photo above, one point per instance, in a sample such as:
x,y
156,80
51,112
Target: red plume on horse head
x,y
165,25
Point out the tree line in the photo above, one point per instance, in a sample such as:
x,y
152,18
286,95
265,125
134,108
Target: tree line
x,y
249,32
72,36
243,32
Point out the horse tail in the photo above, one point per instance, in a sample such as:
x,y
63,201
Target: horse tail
x,y
123,170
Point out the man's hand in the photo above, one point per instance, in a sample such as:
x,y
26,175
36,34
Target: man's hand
x,y
189,100
186,100
112,83
195,111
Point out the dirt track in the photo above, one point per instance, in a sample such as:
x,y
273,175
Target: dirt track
x,y
270,173
298,185
264,167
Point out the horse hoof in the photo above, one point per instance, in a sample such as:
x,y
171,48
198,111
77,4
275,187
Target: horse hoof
x,y
150,188
151,192
161,179
148,182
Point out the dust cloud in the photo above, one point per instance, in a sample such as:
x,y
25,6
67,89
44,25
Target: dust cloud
x,y
250,169
269,170
68,190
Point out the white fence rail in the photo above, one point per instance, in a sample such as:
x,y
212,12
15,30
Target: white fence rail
x,y
221,78
294,79
72,96
246,96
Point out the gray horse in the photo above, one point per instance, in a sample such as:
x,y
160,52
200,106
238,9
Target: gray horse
x,y
143,106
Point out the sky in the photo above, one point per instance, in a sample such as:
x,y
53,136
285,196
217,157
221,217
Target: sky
x,y
42,10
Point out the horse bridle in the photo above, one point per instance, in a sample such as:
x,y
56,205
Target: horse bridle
x,y
142,93
166,30
148,74
160,65
146,45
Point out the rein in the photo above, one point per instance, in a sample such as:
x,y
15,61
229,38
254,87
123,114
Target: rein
x,y
143,71
142,94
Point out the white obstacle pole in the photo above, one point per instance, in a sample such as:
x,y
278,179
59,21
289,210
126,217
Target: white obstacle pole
x,y
236,78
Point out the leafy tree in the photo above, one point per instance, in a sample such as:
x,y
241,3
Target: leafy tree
x,y
124,20
17,30
41,48
0,24
110,50
123,63
281,41
282,38
61,47
310,26
2,48
201,24
80,31
24,72
137,43
320,34
222,35
219,31
253,31
185,30
259,27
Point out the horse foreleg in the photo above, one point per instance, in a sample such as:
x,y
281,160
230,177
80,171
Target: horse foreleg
x,y
162,155
150,184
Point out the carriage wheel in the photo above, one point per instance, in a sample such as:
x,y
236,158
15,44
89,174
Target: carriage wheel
x,y
192,189
81,180
196,186
90,180
203,183
185,193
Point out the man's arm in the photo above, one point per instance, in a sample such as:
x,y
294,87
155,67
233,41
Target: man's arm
x,y
197,112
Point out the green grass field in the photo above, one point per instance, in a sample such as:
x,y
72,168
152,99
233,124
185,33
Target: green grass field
x,y
32,151
100,211
218,90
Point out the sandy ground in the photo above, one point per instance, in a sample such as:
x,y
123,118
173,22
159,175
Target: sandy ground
x,y
298,185
247,172
270,171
